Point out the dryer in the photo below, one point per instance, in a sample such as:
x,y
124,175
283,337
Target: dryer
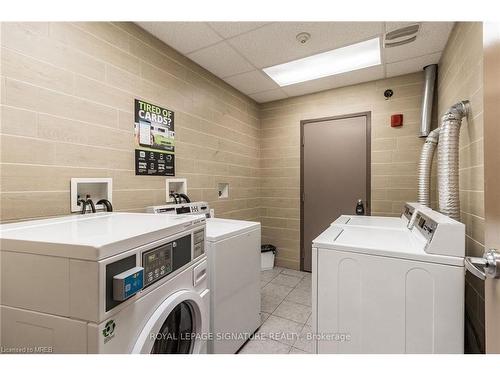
x,y
105,283
390,291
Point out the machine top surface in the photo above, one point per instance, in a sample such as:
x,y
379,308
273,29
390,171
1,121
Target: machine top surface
x,y
404,244
388,222
218,229
93,236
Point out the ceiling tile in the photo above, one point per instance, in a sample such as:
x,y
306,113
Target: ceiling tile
x,y
411,65
185,37
230,29
345,79
276,43
221,60
251,82
258,44
268,96
432,37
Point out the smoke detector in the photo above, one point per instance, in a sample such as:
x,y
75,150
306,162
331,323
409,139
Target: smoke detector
x,y
401,36
303,37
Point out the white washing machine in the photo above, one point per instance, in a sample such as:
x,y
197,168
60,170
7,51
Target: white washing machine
x,y
401,222
233,253
390,291
105,283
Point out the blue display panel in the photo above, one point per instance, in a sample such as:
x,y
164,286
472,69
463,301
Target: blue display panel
x,y
133,284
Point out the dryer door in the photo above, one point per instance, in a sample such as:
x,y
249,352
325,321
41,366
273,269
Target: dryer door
x,y
178,326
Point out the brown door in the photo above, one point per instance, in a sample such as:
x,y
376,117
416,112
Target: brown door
x,y
491,37
335,173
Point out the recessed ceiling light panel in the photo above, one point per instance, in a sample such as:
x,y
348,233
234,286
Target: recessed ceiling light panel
x,y
340,60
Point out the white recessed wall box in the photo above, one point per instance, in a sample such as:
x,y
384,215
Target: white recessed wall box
x,y
223,190
175,185
96,188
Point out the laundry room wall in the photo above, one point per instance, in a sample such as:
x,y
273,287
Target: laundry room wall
x,y
67,102
461,77
394,152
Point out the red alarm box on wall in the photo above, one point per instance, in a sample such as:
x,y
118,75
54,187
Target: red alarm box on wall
x,y
397,120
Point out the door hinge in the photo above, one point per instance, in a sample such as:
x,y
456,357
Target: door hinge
x,y
302,140
303,197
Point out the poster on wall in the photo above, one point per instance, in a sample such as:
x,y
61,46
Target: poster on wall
x,y
154,140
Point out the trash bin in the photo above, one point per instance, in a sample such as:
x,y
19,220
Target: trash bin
x,y
267,254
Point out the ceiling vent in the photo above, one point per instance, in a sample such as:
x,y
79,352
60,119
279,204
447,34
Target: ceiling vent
x,y
401,36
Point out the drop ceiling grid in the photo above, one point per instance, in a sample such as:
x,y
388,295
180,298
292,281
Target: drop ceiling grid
x,y
268,86
236,52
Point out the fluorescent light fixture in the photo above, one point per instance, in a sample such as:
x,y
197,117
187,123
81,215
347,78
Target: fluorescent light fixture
x,y
340,60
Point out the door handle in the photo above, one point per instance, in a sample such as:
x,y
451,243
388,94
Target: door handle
x,y
486,267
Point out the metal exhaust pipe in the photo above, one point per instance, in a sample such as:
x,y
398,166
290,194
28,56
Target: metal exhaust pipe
x,y
427,99
449,199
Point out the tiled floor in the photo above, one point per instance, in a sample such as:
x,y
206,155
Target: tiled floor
x,y
285,313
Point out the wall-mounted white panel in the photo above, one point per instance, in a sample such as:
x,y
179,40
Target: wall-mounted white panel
x,y
95,188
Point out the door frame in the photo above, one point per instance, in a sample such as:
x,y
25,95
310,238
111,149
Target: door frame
x,y
366,114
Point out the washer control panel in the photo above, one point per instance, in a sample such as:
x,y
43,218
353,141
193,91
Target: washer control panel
x,y
165,259
408,211
199,243
426,226
157,262
193,208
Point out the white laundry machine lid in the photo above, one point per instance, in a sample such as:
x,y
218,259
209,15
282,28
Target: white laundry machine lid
x,y
371,221
93,236
380,242
218,229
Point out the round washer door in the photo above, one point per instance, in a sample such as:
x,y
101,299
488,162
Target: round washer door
x,y
176,327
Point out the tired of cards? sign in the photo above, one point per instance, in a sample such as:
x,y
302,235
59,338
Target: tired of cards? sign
x,y
154,140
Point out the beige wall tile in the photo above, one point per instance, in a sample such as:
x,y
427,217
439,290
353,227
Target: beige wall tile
x,y
24,68
21,206
21,38
34,98
70,131
68,93
23,150
69,34
461,78
18,122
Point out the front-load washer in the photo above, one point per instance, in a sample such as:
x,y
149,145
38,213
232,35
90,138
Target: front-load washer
x,y
105,283
401,222
233,253
390,291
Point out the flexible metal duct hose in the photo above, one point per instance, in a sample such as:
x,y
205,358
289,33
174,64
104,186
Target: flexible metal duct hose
x,y
449,200
425,167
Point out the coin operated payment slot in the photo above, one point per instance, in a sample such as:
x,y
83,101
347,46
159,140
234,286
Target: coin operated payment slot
x,y
128,283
